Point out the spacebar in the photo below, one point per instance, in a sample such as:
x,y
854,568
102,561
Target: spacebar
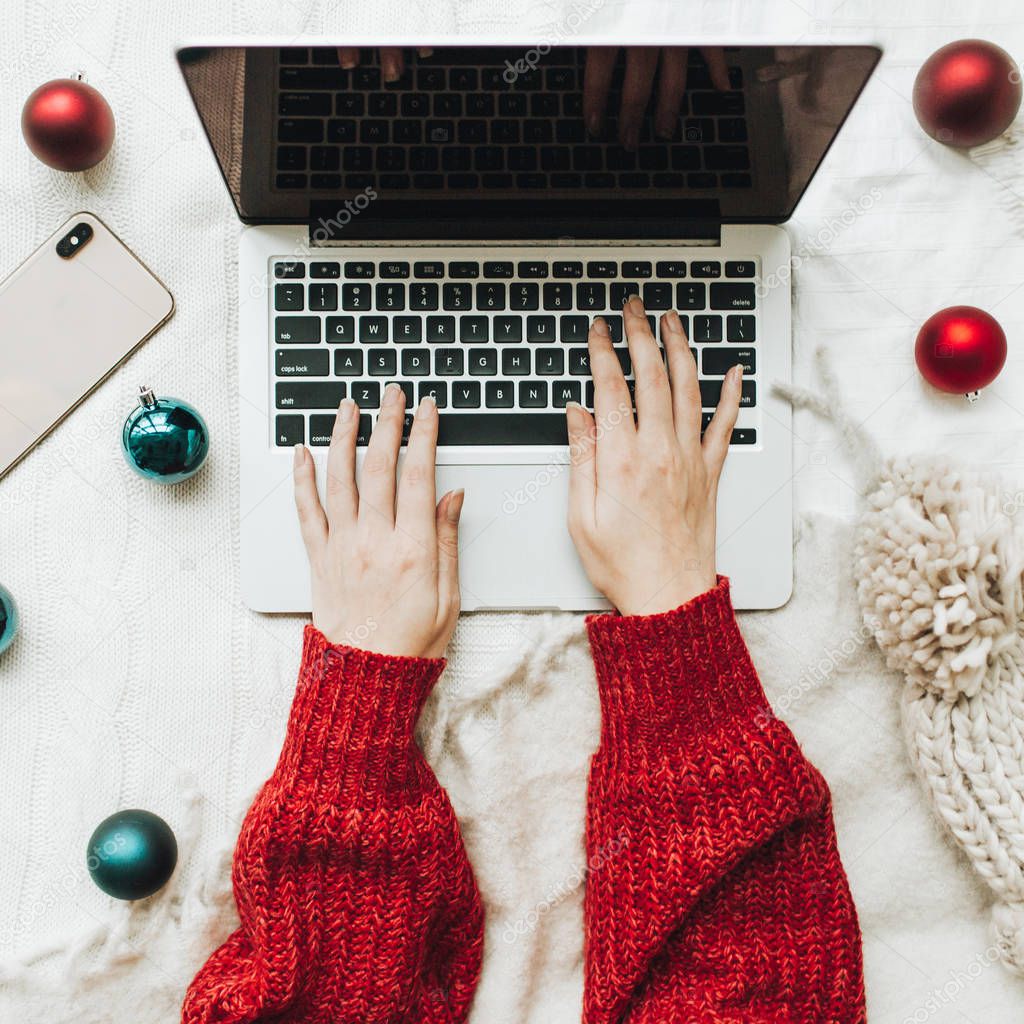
x,y
502,428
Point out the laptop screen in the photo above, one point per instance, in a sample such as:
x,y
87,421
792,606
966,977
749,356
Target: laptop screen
x,y
709,134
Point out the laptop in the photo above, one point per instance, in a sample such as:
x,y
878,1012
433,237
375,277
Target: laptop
x,y
456,230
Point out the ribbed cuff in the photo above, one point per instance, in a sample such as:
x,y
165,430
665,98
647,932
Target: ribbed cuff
x,y
671,679
352,721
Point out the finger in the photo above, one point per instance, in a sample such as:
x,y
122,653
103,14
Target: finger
x,y
714,57
340,486
719,432
682,371
582,460
671,86
312,521
416,488
377,484
392,63
426,51
653,395
348,56
613,407
449,510
641,62
597,80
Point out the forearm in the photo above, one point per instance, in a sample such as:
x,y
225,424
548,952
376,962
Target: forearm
x,y
349,872
716,887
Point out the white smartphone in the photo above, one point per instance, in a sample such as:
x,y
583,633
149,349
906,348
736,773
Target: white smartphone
x,y
69,315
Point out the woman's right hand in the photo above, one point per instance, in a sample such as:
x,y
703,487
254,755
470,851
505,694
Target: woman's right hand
x,y
383,558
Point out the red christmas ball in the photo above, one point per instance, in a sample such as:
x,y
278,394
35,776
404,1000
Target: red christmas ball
x,y
68,125
960,349
967,93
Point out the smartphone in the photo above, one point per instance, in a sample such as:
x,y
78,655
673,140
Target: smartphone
x,y
69,315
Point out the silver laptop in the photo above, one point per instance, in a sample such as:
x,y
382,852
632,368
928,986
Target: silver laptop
x,y
457,229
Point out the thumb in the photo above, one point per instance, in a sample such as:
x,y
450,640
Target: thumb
x,y
449,510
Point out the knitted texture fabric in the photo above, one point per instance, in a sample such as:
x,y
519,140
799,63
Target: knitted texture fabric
x,y
939,563
714,890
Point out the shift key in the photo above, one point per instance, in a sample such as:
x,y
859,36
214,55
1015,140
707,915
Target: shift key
x,y
297,330
309,394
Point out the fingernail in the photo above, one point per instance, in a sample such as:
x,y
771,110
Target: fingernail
x,y
663,131
735,373
630,137
346,409
427,406
635,305
392,394
454,509
673,320
426,51
300,455
601,327
594,124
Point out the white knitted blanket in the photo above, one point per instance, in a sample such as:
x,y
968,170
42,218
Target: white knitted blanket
x,y
141,680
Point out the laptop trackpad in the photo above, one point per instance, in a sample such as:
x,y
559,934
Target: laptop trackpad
x,y
514,545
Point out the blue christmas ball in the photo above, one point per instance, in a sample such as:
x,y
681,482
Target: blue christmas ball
x,y
8,619
132,854
164,439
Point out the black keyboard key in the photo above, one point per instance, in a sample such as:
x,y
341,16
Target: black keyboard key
x,y
323,297
320,429
622,354
602,268
382,362
710,103
498,268
473,329
657,295
550,362
423,296
440,330
309,394
300,129
508,330
563,392
557,296
574,329
671,268
297,330
457,296
365,429
483,362
614,323
449,362
740,328
744,435
393,269
359,268
533,394
415,362
590,295
391,297
691,296
302,362
463,269
499,394
408,330
490,295
707,328
524,296
348,362
732,296
532,268
739,268
718,360
466,394
706,268
325,269
570,269
410,403
288,296
428,269
355,296
579,362
540,329
515,362
437,389
636,268
366,394
498,428
373,330
290,269
711,392
289,431
621,291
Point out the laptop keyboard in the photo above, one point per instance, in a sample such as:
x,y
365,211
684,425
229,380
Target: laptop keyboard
x,y
500,344
455,121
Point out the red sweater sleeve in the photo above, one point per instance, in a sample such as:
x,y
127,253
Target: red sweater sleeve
x,y
715,892
356,899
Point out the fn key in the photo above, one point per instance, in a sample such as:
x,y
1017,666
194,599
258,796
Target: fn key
x,y
290,431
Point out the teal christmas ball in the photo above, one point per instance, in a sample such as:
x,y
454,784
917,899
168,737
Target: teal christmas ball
x,y
164,439
132,854
8,619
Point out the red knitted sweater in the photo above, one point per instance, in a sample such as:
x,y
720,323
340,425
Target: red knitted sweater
x,y
715,891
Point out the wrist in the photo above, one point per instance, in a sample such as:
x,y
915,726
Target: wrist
x,y
682,588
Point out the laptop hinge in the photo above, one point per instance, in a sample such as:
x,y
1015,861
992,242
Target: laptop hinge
x,y
552,222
